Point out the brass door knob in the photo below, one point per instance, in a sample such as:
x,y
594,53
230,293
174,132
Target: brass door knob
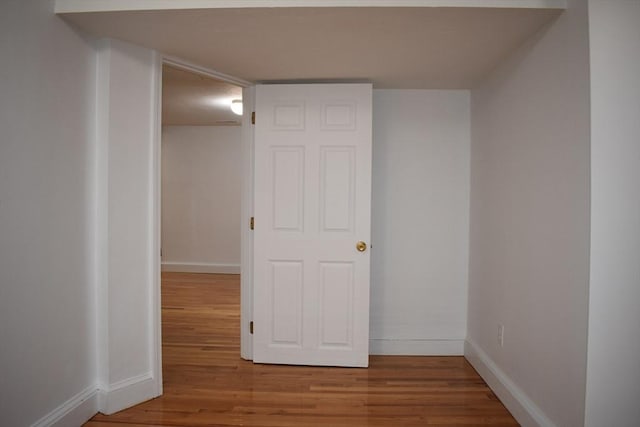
x,y
361,246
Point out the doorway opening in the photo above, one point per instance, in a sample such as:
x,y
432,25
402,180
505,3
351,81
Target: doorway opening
x,y
201,179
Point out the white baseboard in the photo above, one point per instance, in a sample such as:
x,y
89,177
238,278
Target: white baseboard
x,y
416,347
524,410
199,267
74,412
126,393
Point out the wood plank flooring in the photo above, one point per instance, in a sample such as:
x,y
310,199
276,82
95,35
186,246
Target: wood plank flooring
x,y
207,384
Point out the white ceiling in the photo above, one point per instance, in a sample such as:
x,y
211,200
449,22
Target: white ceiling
x,y
197,100
392,47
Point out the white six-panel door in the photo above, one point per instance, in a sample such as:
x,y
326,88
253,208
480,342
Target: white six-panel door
x,y
312,208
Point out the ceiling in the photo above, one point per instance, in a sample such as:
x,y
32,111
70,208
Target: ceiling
x,y
392,47
197,100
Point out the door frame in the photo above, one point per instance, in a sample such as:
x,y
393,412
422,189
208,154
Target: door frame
x,y
246,208
246,214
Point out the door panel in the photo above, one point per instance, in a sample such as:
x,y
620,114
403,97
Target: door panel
x,y
336,305
337,186
312,205
286,303
288,182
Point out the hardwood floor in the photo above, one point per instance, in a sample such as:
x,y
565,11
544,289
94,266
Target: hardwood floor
x,y
207,384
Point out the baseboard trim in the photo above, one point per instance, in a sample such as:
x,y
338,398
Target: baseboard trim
x,y
389,347
74,412
195,267
524,410
126,393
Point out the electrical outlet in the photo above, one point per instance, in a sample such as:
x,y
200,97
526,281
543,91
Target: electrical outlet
x,y
501,335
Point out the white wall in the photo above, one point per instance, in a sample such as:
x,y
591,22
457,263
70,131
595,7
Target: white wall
x,y
201,178
127,167
529,237
47,324
420,219
613,369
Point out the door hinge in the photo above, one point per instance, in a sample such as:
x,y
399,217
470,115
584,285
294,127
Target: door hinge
x,y
253,117
251,327
251,223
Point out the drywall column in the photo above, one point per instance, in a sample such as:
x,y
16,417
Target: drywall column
x,y
529,234
128,253
613,367
47,322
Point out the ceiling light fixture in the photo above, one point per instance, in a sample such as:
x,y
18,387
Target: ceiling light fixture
x,y
236,106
